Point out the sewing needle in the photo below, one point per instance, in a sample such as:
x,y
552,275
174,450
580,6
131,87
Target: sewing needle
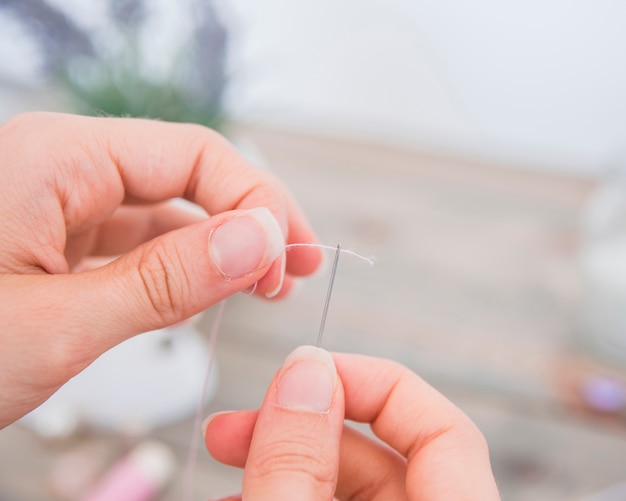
x,y
331,281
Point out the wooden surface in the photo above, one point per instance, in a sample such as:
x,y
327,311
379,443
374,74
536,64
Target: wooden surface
x,y
475,287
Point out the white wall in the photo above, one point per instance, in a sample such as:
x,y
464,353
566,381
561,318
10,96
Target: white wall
x,y
537,82
540,82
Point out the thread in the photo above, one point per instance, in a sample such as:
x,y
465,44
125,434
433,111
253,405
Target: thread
x,y
192,455
368,260
251,290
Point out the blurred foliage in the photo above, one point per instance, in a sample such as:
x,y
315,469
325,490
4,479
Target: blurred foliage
x,y
104,70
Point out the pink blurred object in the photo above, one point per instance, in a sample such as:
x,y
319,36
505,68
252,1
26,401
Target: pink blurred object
x,y
138,476
604,394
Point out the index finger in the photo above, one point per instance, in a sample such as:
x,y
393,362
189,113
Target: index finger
x,y
199,164
447,455
96,163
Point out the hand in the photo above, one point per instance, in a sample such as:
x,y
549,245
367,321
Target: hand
x,y
297,446
74,187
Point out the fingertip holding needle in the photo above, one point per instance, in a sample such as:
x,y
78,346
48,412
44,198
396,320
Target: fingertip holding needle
x,y
331,281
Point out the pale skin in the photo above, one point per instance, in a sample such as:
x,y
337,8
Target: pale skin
x,y
75,190
426,448
74,187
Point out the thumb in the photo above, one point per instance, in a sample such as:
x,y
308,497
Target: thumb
x,y
185,271
56,325
294,453
159,283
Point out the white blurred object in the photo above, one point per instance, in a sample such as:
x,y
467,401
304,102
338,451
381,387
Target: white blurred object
x,y
453,75
602,324
151,380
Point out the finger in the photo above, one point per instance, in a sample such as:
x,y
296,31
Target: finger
x,y
73,318
447,456
184,271
227,436
433,433
273,281
369,470
128,227
131,226
302,260
217,178
102,161
294,451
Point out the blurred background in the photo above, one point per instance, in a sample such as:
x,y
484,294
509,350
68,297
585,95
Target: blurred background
x,y
475,149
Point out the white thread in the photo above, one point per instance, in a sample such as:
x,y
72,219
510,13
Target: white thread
x,y
250,291
368,260
192,455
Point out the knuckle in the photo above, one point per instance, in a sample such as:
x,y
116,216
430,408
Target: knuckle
x,y
164,285
467,434
205,135
476,436
300,456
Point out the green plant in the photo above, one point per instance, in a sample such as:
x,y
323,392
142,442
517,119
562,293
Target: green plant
x,y
104,71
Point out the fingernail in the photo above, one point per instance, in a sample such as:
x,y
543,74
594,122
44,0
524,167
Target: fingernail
x,y
308,380
205,424
247,242
283,264
210,418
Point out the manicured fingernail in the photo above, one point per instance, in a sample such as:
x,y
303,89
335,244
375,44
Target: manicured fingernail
x,y
247,242
308,380
283,264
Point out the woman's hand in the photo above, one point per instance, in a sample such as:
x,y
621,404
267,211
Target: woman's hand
x,y
298,447
77,187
